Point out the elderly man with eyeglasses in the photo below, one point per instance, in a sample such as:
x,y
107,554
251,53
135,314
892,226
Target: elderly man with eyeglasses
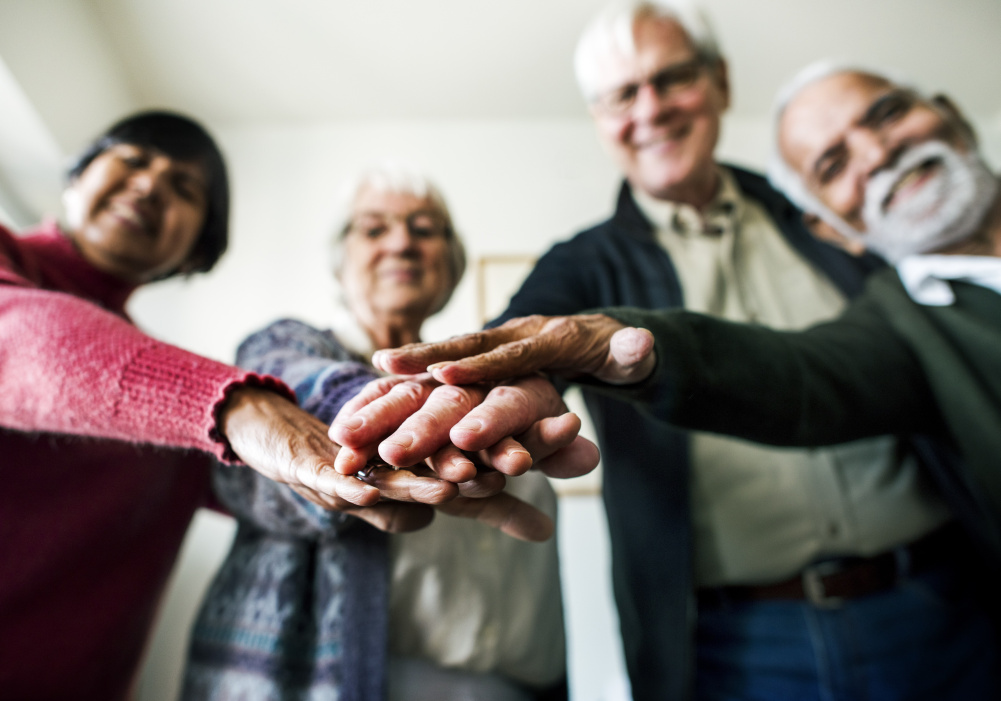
x,y
716,541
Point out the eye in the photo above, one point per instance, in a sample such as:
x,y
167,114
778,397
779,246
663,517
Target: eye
x,y
675,78
134,159
830,168
189,189
888,109
424,226
621,98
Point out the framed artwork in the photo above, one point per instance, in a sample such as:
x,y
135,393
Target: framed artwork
x,y
498,277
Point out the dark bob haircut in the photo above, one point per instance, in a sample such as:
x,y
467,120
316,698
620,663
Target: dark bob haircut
x,y
184,139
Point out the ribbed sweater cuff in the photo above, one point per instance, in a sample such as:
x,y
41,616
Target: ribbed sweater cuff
x,y
196,387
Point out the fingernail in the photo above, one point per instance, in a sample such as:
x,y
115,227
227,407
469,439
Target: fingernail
x,y
403,439
351,424
469,425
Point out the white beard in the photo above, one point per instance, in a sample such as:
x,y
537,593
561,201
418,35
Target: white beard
x,y
946,209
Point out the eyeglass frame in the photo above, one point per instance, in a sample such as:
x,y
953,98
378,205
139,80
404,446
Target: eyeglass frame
x,y
699,63
442,227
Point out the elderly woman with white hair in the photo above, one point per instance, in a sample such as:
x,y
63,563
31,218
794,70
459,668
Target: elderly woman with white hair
x,y
317,604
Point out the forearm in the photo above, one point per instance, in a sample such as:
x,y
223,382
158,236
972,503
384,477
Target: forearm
x,y
70,367
830,384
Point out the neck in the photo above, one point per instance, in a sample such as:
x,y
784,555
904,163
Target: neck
x,y
392,331
698,193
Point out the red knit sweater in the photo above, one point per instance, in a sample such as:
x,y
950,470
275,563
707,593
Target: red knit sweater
x,y
105,437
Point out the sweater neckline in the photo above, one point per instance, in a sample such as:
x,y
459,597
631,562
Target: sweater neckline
x,y
64,262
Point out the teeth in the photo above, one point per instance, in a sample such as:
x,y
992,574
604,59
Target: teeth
x,y
911,175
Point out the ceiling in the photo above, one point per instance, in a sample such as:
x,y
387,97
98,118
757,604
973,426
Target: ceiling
x,y
69,67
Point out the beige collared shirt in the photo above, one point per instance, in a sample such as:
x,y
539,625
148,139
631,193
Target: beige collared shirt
x,y
464,596
760,514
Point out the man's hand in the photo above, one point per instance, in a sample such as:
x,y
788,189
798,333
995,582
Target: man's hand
x,y
286,444
508,427
570,346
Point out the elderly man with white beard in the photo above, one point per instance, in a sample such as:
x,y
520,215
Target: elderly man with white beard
x,y
874,165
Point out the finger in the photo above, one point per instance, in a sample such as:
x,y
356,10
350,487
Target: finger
x,y
380,416
424,432
547,435
416,357
452,464
394,517
485,484
324,501
507,456
350,460
630,357
405,485
508,410
576,459
520,357
338,486
370,392
506,513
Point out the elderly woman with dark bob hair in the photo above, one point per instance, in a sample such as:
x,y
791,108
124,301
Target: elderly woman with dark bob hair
x,y
312,604
108,435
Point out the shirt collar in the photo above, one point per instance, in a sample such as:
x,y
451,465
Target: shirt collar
x,y
925,277
719,216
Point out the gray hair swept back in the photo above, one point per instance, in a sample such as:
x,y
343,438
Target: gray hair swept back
x,y
611,31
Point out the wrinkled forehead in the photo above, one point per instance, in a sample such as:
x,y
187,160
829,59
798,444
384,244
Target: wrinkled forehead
x,y
822,113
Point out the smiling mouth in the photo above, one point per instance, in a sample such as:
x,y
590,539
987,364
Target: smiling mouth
x,y
911,180
134,219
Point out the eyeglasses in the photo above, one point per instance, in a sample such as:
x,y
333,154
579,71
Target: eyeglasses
x,y
420,224
672,80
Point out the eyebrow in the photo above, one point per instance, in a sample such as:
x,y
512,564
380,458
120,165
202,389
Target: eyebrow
x,y
868,119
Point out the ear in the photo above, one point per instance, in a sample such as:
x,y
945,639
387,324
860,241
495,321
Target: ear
x,y
952,113
721,76
825,232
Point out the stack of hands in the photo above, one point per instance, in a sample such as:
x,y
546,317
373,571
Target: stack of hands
x,y
459,416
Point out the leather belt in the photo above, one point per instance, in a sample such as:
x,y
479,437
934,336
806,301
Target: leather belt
x,y
828,583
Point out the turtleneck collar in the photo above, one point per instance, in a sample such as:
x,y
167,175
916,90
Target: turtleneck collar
x,y
59,265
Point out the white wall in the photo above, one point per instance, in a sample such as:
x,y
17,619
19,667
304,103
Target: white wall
x,y
514,188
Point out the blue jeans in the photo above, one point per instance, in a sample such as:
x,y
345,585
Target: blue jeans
x,y
925,639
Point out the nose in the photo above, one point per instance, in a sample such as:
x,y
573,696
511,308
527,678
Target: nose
x,y
648,105
151,180
871,149
398,238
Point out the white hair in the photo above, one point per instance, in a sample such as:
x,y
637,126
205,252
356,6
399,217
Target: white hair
x,y
400,178
611,32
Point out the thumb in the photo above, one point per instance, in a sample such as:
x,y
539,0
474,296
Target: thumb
x,y
631,356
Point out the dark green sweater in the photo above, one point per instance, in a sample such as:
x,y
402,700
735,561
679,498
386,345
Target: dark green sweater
x,y
888,365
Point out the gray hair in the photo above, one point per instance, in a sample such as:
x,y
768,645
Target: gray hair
x,y
398,178
611,32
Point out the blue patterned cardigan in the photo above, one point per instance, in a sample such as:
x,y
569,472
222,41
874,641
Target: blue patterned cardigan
x,y
298,609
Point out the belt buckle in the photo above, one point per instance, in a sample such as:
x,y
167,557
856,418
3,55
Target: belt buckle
x,y
813,584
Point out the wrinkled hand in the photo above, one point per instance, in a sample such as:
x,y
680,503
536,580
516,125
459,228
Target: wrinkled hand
x,y
286,444
569,346
509,427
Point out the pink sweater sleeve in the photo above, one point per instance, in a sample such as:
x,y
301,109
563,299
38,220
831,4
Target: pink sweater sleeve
x,y
68,366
